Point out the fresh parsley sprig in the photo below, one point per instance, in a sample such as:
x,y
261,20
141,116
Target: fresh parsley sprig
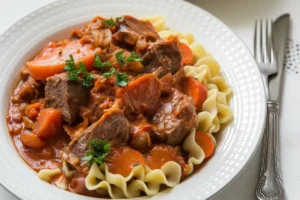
x,y
119,56
99,63
110,73
99,151
122,79
110,22
75,73
133,57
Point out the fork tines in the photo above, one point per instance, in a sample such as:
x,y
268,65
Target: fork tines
x,y
263,47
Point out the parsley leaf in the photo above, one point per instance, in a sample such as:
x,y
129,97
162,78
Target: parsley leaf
x,y
88,80
99,151
133,57
81,68
110,22
118,19
120,57
111,72
99,63
75,73
122,79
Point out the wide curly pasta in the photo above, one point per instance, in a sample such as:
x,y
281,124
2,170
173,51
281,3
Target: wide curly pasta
x,y
215,109
215,112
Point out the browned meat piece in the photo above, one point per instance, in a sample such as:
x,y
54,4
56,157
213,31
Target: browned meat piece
x,y
77,185
129,29
102,96
141,129
174,118
67,96
29,89
163,54
166,83
179,80
142,94
113,125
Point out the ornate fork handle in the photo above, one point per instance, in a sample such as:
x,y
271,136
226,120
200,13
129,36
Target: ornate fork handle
x,y
270,184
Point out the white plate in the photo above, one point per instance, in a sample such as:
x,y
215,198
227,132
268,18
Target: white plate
x,y
236,144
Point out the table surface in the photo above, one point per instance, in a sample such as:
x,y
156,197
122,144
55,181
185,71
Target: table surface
x,y
239,15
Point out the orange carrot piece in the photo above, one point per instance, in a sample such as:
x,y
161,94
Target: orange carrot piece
x,y
143,93
33,110
187,57
31,140
123,159
49,123
51,62
205,142
197,91
160,154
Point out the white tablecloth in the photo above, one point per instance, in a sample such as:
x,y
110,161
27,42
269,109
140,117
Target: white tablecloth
x,y
239,15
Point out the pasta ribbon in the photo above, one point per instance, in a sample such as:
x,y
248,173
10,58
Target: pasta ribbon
x,y
47,174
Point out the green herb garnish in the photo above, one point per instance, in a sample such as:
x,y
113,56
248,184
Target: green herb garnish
x,y
99,63
99,151
122,79
118,19
111,72
120,57
75,73
88,80
110,22
133,57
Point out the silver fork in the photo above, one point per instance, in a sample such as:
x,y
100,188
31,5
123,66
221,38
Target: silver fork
x,y
270,185
263,50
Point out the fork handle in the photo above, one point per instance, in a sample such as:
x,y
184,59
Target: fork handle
x,y
270,185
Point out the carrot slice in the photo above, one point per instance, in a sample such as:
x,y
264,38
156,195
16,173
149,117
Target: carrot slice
x,y
197,91
186,54
205,142
141,94
52,61
31,140
123,159
49,123
160,154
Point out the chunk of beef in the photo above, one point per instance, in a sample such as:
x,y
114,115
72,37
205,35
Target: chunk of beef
x,y
174,118
129,29
166,83
102,97
179,80
142,95
163,54
141,130
67,96
113,125
29,89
